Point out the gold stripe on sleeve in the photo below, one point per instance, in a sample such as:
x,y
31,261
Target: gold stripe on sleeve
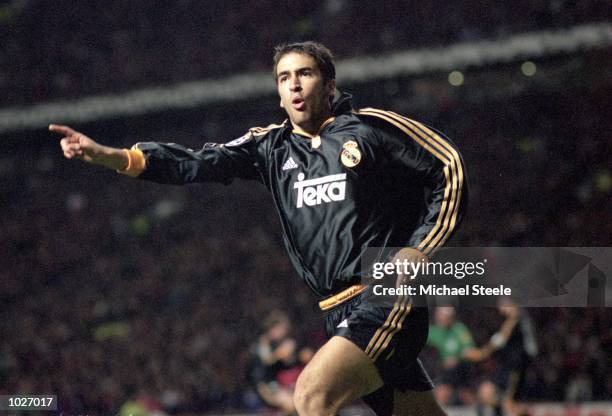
x,y
442,229
448,226
442,150
428,145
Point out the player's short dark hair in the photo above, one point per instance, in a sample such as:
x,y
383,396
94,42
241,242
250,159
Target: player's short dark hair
x,y
321,54
274,318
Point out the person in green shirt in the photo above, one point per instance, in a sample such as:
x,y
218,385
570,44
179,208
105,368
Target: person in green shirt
x,y
456,349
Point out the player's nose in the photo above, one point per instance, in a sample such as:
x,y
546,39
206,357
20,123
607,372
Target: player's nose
x,y
294,84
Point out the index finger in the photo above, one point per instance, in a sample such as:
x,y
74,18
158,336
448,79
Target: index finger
x,y
65,130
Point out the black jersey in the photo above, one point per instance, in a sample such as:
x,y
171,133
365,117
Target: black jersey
x,y
518,354
521,348
370,178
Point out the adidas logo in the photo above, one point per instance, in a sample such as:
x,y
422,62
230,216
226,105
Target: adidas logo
x,y
290,164
343,324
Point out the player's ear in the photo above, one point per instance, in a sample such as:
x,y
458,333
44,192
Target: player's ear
x,y
330,89
331,86
281,104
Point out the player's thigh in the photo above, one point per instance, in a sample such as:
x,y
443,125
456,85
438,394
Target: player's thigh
x,y
340,372
416,403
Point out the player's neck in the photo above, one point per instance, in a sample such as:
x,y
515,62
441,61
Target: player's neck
x,y
313,126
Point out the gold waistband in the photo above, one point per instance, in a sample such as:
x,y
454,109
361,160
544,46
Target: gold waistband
x,y
343,296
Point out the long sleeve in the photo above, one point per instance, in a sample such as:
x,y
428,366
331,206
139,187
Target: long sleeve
x,y
445,177
432,160
176,164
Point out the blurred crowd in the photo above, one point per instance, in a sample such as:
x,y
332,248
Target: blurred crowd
x,y
64,49
107,297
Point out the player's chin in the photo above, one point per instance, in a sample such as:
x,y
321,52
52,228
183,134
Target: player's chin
x,y
299,117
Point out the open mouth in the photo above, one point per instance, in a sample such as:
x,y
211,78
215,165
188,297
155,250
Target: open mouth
x,y
298,103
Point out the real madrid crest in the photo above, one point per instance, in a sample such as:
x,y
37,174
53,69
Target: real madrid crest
x,y
350,156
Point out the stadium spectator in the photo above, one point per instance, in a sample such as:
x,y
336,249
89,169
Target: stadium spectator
x,y
489,403
274,353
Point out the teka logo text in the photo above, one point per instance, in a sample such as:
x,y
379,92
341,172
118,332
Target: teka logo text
x,y
321,190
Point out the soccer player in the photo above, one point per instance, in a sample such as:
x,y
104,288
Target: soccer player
x,y
519,351
457,350
275,351
343,181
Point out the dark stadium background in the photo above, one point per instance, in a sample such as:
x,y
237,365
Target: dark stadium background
x,y
112,287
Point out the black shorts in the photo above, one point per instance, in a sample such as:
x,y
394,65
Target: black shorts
x,y
514,375
459,376
392,333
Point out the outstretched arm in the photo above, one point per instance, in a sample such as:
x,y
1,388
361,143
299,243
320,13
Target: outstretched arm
x,y
497,341
166,162
76,145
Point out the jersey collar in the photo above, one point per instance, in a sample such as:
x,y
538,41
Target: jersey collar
x,y
342,104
